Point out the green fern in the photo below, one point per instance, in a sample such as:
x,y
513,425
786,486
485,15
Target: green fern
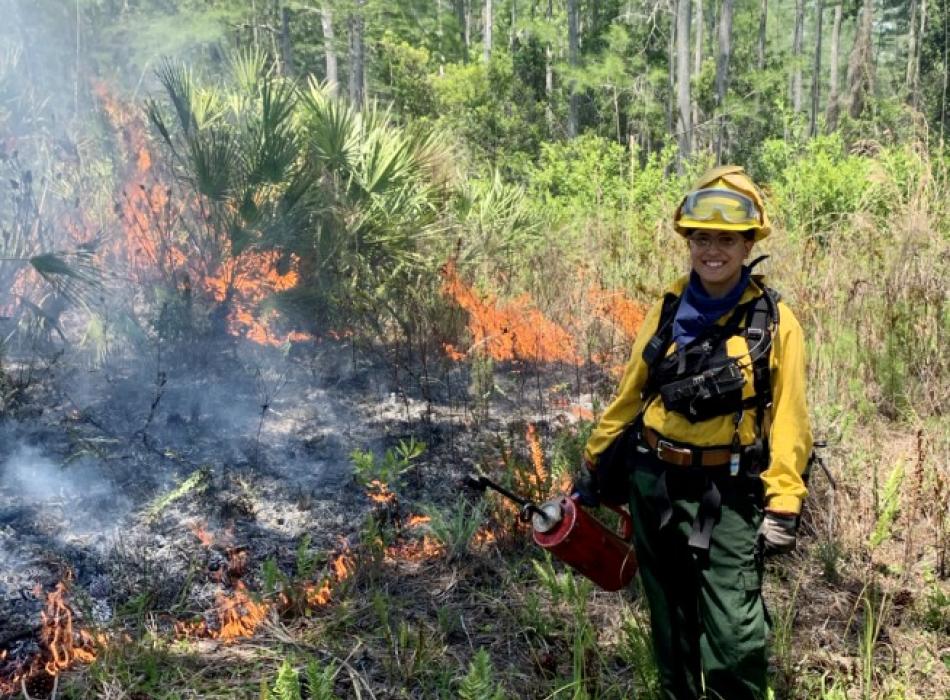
x,y
306,562
478,683
287,683
320,681
889,507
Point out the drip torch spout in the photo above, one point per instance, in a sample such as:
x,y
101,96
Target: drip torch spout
x,y
480,482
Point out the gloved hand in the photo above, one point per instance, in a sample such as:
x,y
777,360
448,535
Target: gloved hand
x,y
586,486
778,532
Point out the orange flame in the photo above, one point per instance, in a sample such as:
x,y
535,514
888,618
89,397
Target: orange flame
x,y
415,550
417,520
57,636
342,567
318,596
513,331
199,531
379,493
61,645
239,615
537,458
616,307
484,537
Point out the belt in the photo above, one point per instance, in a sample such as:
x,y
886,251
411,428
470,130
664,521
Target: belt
x,y
685,456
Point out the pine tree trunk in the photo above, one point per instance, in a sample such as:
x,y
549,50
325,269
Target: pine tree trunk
x,y
329,50
831,113
357,55
913,50
683,125
549,73
468,26
797,40
861,63
816,74
486,31
671,77
911,46
573,41
725,51
921,34
697,57
722,69
697,64
763,25
286,45
460,18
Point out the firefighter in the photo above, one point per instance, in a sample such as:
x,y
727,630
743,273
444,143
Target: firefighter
x,y
708,437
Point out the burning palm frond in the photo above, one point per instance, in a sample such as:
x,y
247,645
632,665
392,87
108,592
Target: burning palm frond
x,y
42,277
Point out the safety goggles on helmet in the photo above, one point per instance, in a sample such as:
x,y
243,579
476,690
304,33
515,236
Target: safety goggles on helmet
x,y
727,206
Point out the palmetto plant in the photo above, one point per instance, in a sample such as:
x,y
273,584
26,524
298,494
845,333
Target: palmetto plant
x,y
234,147
63,273
357,201
378,206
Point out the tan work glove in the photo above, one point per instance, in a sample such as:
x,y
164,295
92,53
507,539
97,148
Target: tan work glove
x,y
778,532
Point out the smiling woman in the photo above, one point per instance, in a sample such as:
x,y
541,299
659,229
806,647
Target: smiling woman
x,y
712,435
717,257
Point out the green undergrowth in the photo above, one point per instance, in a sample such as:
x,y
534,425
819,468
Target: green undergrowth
x,y
500,618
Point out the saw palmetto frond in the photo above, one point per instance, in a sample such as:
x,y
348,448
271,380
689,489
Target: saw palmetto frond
x,y
179,84
270,141
73,274
332,130
211,158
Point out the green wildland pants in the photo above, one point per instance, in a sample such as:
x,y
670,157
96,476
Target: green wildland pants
x,y
706,611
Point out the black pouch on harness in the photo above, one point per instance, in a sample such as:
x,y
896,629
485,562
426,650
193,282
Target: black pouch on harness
x,y
714,392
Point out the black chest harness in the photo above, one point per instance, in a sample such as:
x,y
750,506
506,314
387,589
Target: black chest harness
x,y
701,381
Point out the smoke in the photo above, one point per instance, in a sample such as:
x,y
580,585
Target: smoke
x,y
32,481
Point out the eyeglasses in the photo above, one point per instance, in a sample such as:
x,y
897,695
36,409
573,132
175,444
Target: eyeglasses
x,y
705,242
718,203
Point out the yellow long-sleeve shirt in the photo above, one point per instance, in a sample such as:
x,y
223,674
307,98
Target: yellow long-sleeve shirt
x,y
790,438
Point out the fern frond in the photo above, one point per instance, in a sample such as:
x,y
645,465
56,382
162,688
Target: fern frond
x,y
287,683
478,683
320,680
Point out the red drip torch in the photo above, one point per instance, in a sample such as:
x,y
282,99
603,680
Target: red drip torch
x,y
577,538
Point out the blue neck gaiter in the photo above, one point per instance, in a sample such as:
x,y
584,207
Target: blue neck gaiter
x,y
697,310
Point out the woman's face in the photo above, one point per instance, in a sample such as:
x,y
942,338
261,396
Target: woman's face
x,y
717,257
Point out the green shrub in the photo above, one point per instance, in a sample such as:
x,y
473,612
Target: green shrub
x,y
455,529
396,462
821,187
584,177
403,71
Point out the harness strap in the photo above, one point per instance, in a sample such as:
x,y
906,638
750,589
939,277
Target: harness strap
x,y
763,316
710,507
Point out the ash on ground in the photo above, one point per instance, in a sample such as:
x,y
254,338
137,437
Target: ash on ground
x,y
137,481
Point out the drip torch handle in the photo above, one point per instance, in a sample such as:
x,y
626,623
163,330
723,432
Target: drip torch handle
x,y
626,520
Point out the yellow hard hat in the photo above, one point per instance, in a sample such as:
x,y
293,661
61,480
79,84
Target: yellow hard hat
x,y
724,199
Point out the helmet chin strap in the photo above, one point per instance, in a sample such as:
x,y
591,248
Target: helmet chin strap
x,y
756,261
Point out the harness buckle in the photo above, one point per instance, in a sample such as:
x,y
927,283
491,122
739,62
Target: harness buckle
x,y
666,447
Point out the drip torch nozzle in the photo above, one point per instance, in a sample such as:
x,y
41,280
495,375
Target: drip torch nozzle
x,y
480,482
